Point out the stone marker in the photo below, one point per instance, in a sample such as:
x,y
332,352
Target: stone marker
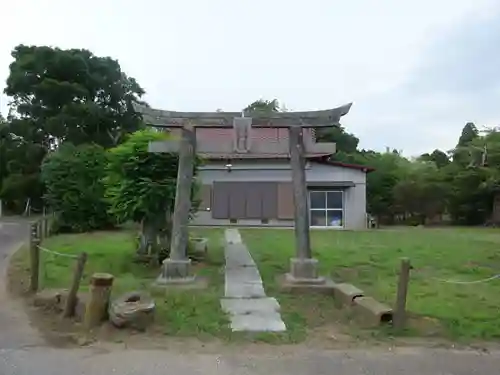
x,y
133,310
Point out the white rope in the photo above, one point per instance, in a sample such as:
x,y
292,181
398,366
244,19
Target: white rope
x,y
57,253
467,282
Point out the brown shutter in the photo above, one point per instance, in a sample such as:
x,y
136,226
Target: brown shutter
x,y
205,197
285,200
220,207
253,201
269,198
237,201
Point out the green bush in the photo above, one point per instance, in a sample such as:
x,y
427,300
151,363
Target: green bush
x,y
73,176
141,187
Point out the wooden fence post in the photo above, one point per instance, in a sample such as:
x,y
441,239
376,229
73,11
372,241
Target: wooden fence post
x,y
69,308
400,308
34,264
97,307
41,229
45,226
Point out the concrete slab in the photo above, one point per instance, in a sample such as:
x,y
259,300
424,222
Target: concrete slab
x,y
245,298
250,305
270,322
244,290
243,274
237,255
232,236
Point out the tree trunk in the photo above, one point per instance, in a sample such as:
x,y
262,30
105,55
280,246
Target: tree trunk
x,y
149,243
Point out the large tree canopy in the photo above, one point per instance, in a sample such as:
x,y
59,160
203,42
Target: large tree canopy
x,y
60,96
71,95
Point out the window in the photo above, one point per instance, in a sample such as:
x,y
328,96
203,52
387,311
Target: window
x,y
326,208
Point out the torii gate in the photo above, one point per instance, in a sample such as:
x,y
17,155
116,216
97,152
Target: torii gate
x,y
303,268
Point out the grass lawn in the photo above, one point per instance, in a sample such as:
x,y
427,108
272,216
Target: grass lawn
x,y
370,260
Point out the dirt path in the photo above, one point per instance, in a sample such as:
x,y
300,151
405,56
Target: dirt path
x,y
15,330
47,361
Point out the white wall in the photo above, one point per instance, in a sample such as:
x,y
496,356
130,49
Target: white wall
x,y
273,170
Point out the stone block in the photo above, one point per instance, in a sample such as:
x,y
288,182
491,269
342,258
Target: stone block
x,y
52,299
345,294
200,245
371,313
321,285
249,305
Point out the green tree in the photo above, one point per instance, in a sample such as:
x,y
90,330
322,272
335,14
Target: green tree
x,y
60,96
461,153
19,170
263,106
421,193
71,95
438,157
73,176
141,186
475,182
389,170
347,143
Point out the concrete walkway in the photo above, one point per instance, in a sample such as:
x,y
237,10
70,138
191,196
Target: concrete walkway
x,y
245,299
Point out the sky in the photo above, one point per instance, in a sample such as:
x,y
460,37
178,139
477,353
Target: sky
x,y
416,71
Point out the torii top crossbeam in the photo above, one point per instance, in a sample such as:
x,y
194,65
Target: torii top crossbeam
x,y
307,119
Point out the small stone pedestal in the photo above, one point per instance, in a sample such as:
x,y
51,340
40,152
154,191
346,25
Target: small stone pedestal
x,y
177,273
304,278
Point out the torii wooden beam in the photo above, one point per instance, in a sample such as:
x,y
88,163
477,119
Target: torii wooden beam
x,y
307,119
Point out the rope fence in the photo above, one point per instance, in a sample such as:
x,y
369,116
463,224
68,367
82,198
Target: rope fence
x,y
400,314
39,230
57,253
459,282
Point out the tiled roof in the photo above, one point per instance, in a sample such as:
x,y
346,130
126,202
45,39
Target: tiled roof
x,y
267,135
257,134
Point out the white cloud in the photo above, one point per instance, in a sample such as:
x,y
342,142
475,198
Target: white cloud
x,y
204,55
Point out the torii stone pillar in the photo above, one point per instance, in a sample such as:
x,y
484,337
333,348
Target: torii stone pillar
x,y
176,268
303,268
